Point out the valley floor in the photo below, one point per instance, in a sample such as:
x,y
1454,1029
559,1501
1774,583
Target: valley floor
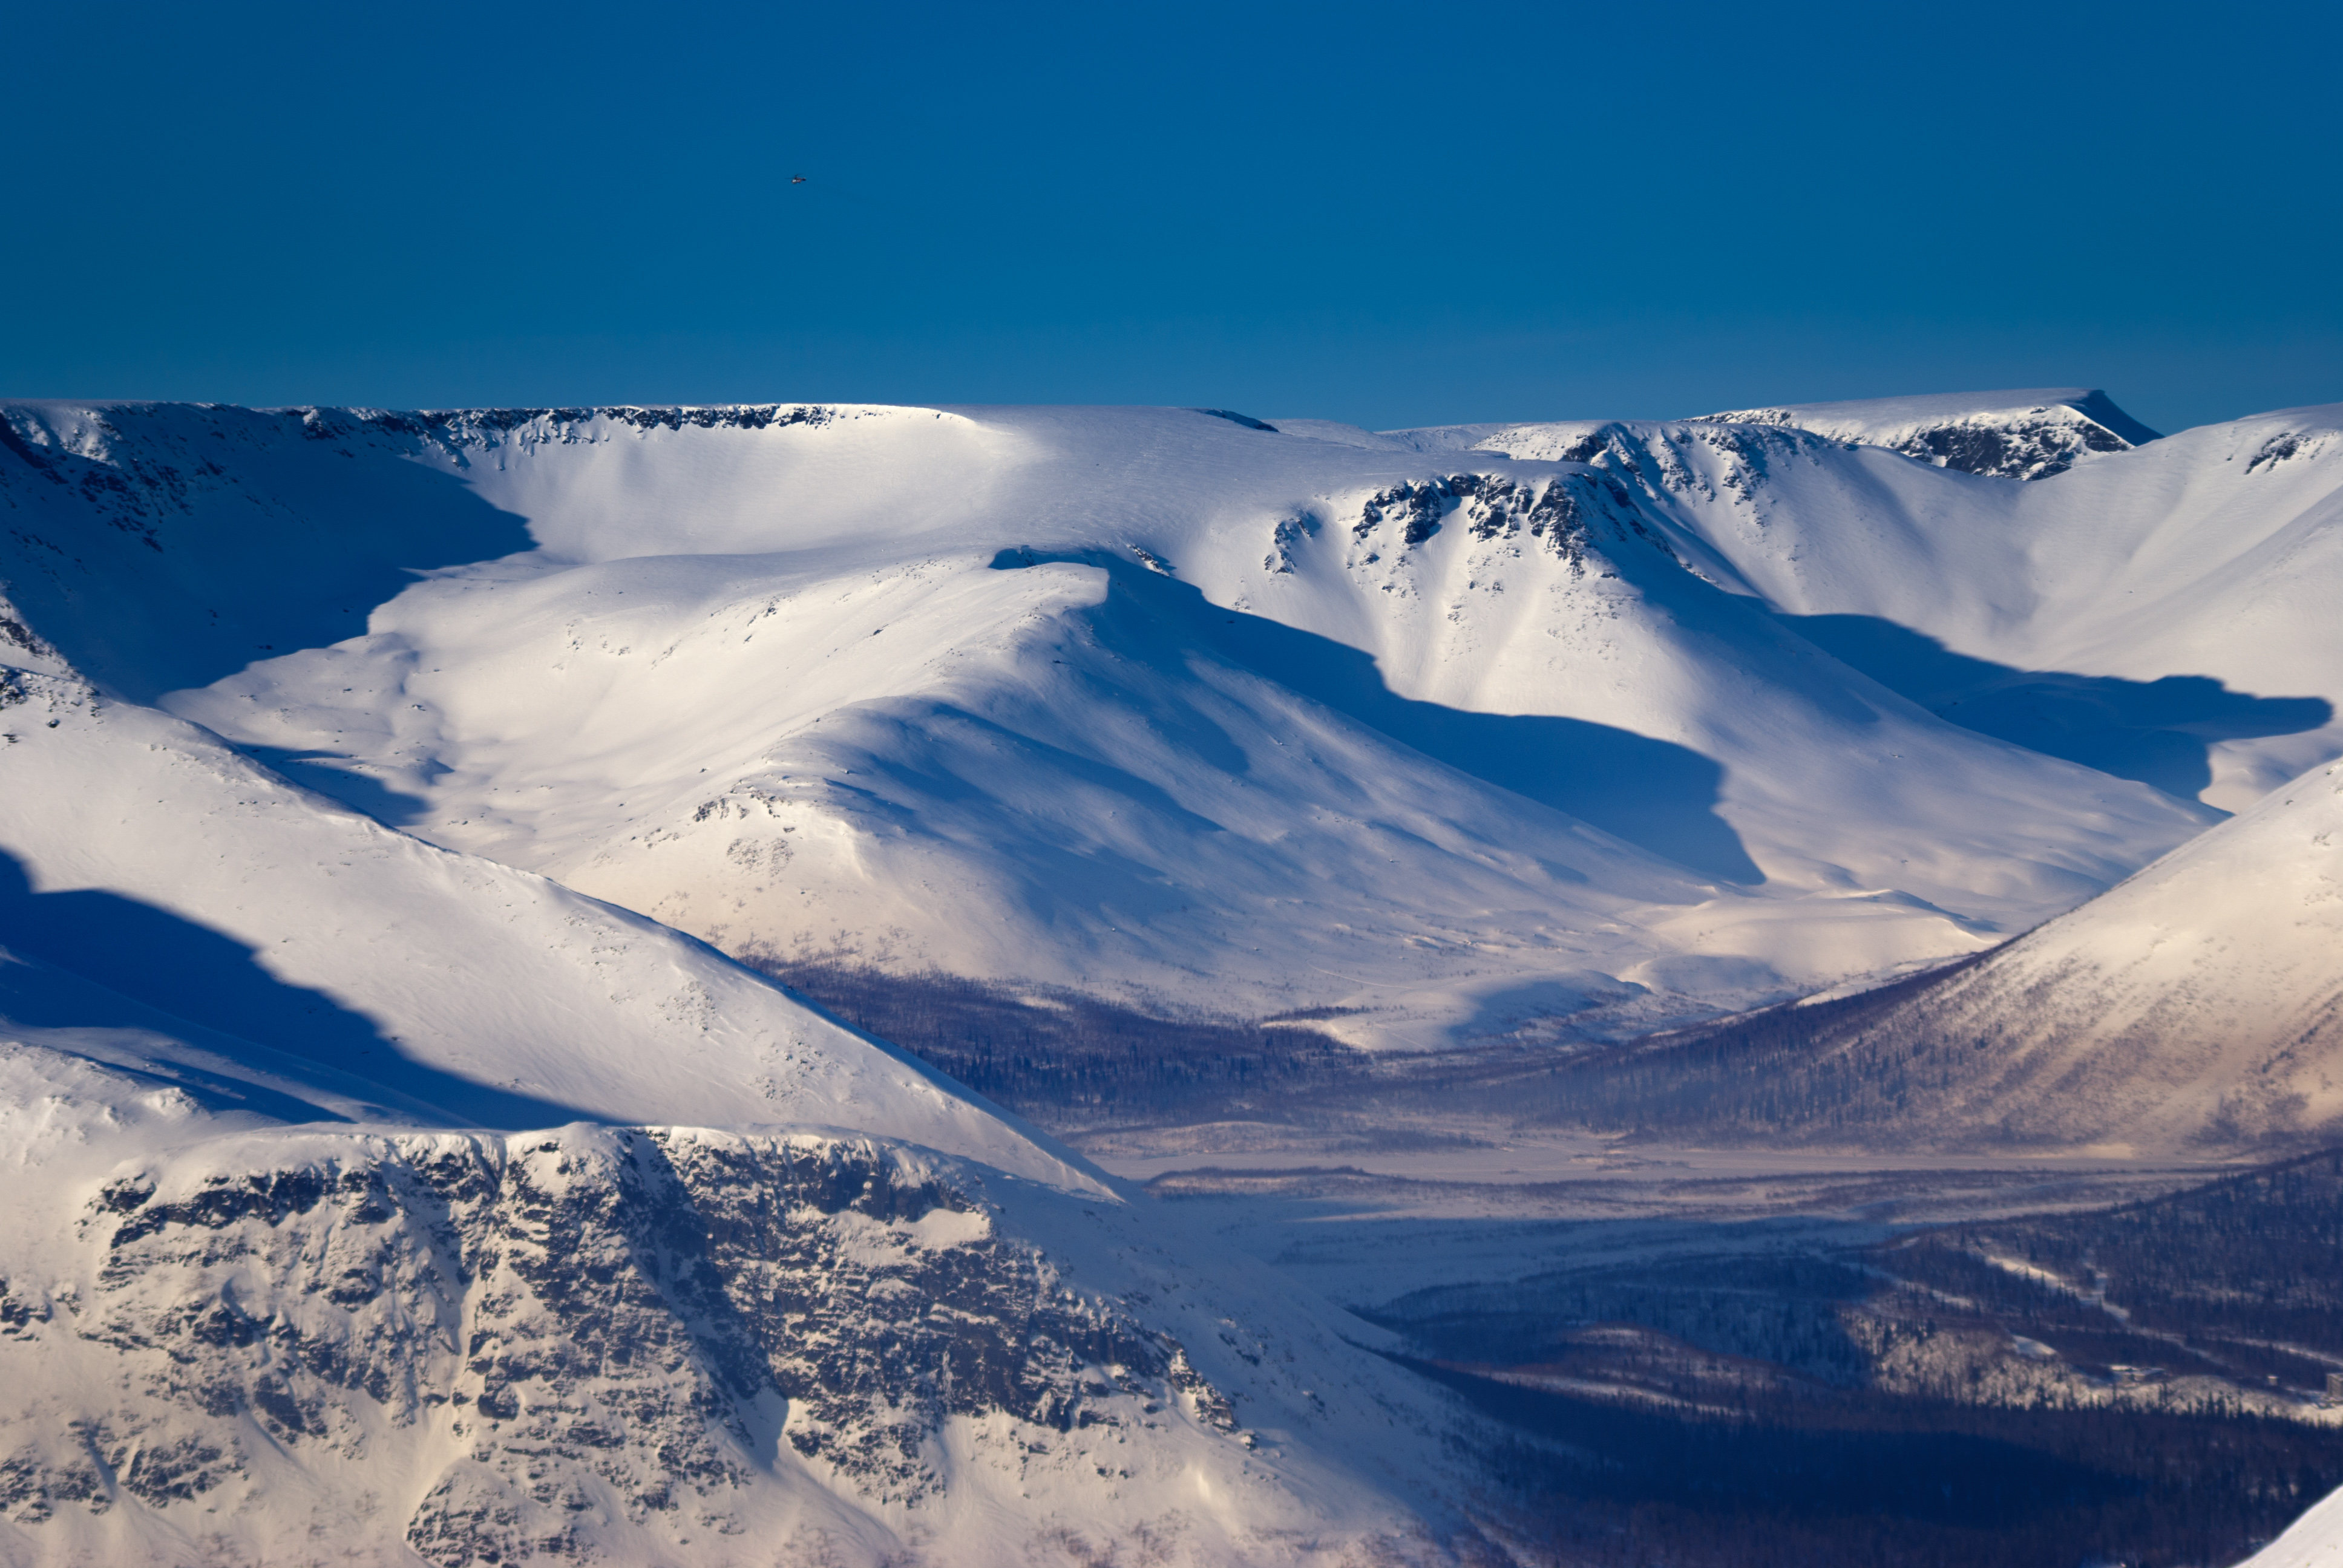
x,y
1736,1359
1734,1352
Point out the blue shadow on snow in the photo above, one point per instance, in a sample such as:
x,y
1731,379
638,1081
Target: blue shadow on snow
x,y
2155,733
137,953
1654,794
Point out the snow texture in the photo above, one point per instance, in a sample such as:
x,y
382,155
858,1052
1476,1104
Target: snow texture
x,y
1143,701
394,1168
2197,1007
373,1198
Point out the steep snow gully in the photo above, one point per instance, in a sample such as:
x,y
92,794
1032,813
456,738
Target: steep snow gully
x,y
401,1162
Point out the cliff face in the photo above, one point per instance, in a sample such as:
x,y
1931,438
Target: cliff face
x,y
634,1345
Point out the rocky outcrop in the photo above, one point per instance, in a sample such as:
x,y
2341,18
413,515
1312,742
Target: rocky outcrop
x,y
2010,435
1561,512
588,1341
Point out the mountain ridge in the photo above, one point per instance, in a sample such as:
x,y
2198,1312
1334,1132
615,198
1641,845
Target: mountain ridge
x,y
550,510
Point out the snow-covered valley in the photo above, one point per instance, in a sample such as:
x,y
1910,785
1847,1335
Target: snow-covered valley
x,y
386,797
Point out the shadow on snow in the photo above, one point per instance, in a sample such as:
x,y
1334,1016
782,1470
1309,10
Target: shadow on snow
x,y
2155,733
146,967
1654,794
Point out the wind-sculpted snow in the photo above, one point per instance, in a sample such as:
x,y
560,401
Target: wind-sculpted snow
x,y
325,735
163,880
596,1344
1333,724
2031,434
375,1334
2156,613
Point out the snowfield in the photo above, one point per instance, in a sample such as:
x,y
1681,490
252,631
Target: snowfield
x,y
728,1272
2315,1541
400,1161
2198,1006
1157,703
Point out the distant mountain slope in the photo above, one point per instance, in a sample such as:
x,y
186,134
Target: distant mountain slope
x,y
2030,434
161,870
2196,1007
2161,614
2313,1541
2027,435
1145,702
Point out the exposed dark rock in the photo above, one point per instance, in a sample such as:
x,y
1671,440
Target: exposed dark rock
x,y
594,1312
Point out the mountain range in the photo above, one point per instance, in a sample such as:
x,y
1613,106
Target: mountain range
x,y
385,800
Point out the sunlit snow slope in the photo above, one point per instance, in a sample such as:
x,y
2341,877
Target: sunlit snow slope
x,y
2314,1540
1141,701
2028,435
2199,1006
2162,613
370,1167
370,1197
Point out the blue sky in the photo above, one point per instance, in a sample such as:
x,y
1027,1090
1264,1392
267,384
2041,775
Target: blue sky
x,y
1392,215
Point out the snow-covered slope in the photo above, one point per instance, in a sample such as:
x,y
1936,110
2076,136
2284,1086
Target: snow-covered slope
x,y
2203,998
368,1167
1146,700
2028,435
2196,1007
2313,1541
2162,614
145,857
728,1273
669,1344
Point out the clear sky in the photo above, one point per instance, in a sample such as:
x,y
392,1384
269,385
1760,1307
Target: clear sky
x,y
1390,215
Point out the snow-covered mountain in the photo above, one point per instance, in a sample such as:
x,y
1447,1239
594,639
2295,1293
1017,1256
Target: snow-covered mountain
x,y
2159,613
723,1272
386,1150
2197,1007
1166,702
2027,435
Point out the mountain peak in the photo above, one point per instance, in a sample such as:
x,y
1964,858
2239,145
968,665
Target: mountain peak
x,y
2028,434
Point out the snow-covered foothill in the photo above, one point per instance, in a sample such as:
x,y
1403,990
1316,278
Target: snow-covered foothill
x,y
2194,1009
146,859
2025,435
